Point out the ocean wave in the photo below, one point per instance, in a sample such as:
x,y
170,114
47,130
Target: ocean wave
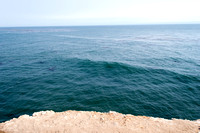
x,y
117,69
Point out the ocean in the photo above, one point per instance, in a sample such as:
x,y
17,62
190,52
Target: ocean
x,y
150,70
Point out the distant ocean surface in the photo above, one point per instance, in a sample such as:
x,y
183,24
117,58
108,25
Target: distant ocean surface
x,y
151,70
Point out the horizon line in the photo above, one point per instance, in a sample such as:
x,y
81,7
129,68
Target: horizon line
x,y
100,25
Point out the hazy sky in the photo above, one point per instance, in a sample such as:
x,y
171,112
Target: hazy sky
x,y
97,12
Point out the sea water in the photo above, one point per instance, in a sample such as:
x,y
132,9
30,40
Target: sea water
x,y
151,70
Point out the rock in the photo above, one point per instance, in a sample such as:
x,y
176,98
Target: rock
x,y
85,121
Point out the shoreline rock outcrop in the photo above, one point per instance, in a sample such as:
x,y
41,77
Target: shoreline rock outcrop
x,y
95,122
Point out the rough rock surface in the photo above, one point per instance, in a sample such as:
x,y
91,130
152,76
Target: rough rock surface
x,y
95,122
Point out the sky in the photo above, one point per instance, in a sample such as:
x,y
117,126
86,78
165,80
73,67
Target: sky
x,y
97,12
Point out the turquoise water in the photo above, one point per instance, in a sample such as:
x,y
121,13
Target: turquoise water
x,y
151,70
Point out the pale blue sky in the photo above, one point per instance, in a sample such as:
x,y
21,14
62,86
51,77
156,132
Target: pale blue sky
x,y
97,12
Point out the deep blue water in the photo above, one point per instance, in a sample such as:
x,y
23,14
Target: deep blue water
x,y
151,70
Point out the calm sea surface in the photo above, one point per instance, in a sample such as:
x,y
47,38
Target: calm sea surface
x,y
151,70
